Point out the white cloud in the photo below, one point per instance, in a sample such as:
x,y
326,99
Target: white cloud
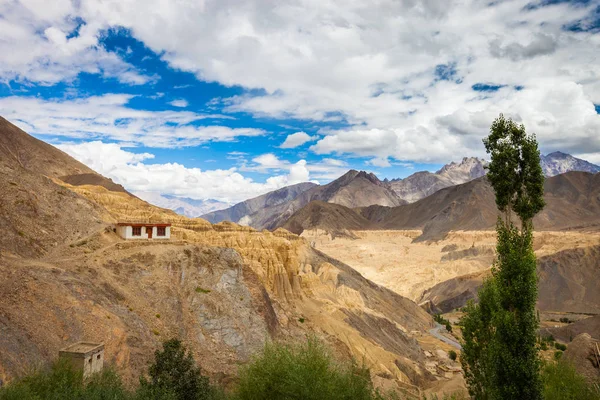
x,y
269,160
179,103
326,169
130,170
109,117
373,66
296,139
37,45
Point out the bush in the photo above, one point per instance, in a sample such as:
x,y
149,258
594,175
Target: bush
x,y
443,321
452,354
557,355
62,382
562,382
559,346
302,371
174,375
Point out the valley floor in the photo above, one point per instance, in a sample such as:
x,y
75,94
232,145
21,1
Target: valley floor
x,y
392,258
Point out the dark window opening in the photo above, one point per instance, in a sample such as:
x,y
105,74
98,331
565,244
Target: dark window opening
x,y
137,231
161,231
98,357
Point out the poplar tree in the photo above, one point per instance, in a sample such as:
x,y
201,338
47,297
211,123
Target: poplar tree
x,y
500,356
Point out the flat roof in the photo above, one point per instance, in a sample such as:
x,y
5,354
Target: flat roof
x,y
143,224
83,348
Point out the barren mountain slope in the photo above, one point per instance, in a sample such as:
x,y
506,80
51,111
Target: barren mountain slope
x,y
37,214
569,282
572,202
251,206
567,332
33,154
353,189
326,216
422,184
92,179
223,288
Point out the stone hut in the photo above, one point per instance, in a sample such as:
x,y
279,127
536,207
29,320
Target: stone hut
x,y
84,356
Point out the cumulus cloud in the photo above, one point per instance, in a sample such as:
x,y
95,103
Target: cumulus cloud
x,y
45,43
109,117
179,103
374,68
327,168
133,172
296,139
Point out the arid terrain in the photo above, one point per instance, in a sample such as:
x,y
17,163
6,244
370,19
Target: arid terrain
x,y
393,259
225,289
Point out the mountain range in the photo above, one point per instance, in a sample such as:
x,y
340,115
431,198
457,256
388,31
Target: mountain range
x,y
572,202
353,189
357,189
182,205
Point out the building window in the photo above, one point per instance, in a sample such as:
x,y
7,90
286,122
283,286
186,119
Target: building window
x,y
137,231
161,231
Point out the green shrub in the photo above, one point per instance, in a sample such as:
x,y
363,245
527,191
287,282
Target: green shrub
x,y
201,290
302,371
557,355
62,382
562,382
452,354
443,321
559,346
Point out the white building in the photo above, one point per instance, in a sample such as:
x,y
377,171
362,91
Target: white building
x,y
134,230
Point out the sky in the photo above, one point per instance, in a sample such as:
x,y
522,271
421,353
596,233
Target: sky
x,y
226,100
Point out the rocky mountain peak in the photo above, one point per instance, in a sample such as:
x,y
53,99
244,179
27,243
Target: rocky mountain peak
x,y
557,163
466,165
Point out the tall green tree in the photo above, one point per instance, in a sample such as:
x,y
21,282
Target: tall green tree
x,y
174,375
500,356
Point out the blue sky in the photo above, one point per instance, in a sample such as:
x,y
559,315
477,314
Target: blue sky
x,y
228,100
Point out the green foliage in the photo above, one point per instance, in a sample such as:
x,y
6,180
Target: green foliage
x,y
62,382
443,321
515,172
559,346
500,354
562,382
558,355
304,371
175,375
202,290
452,354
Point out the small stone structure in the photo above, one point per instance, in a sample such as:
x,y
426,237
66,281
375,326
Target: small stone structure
x,y
144,230
84,356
